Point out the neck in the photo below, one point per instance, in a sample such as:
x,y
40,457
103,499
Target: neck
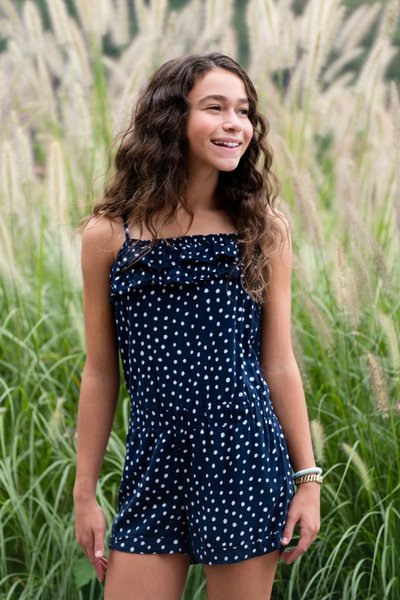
x,y
201,190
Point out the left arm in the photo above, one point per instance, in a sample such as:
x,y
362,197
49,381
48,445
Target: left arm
x,y
282,374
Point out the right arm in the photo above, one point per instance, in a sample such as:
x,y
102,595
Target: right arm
x,y
99,389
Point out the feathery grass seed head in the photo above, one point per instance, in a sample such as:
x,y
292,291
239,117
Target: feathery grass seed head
x,y
378,383
359,465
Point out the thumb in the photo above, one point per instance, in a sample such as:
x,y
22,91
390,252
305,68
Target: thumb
x,y
98,545
288,530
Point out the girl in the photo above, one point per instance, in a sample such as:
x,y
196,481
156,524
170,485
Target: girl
x,y
186,269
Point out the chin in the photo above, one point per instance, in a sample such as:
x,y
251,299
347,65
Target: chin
x,y
227,168
227,164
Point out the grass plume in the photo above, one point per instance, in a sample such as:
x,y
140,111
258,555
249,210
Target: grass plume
x,y
335,132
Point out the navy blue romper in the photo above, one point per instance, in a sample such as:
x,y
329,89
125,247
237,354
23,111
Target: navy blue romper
x,y
207,471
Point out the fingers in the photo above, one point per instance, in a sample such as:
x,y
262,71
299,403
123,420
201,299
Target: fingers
x,y
290,556
100,566
288,530
307,537
98,543
100,562
304,512
90,536
96,552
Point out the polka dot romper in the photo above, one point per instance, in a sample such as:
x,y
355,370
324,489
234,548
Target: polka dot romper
x,y
207,471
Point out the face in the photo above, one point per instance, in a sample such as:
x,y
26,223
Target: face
x,y
218,127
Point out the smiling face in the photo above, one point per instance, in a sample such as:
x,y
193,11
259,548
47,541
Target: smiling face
x,y
218,127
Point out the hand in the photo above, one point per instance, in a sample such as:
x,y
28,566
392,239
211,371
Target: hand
x,y
90,526
304,509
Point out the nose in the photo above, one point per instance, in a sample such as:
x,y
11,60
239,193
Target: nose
x,y
232,122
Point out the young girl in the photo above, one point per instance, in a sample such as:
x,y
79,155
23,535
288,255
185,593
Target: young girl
x,y
186,270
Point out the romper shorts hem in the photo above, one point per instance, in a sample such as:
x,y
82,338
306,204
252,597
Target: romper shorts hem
x,y
221,556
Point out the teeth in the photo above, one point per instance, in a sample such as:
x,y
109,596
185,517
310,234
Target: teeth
x,y
227,144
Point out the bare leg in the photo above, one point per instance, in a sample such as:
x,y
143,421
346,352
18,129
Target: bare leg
x,y
145,576
249,579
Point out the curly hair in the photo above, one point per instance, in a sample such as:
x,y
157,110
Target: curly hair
x,y
152,172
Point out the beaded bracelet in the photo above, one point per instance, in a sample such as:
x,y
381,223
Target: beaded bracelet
x,y
309,471
308,479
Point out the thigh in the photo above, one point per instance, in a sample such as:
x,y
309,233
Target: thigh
x,y
132,576
249,579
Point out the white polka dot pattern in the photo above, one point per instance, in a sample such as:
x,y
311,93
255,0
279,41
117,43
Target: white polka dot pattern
x,y
207,471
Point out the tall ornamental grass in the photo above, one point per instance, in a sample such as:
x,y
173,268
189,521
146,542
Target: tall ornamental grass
x,y
65,93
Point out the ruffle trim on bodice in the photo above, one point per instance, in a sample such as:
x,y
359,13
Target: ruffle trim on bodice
x,y
186,260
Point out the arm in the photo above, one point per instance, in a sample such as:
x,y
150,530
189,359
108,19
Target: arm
x,y
99,388
282,374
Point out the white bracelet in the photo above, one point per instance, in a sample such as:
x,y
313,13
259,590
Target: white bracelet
x,y
309,471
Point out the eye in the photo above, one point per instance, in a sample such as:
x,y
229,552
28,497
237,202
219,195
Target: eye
x,y
244,111
214,107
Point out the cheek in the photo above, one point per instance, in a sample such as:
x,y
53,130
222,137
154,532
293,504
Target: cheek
x,y
200,127
248,134
250,131
196,140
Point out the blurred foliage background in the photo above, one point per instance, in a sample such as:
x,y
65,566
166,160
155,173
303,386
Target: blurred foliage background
x,y
327,73
393,71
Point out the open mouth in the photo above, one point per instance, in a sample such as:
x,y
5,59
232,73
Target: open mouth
x,y
226,144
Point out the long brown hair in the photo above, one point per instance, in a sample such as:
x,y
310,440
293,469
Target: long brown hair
x,y
151,167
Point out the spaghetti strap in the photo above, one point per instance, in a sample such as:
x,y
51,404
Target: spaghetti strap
x,y
126,227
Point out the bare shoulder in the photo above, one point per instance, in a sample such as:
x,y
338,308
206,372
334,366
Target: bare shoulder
x,y
99,239
102,238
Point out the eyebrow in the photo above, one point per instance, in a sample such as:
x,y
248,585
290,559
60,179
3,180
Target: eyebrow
x,y
222,99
